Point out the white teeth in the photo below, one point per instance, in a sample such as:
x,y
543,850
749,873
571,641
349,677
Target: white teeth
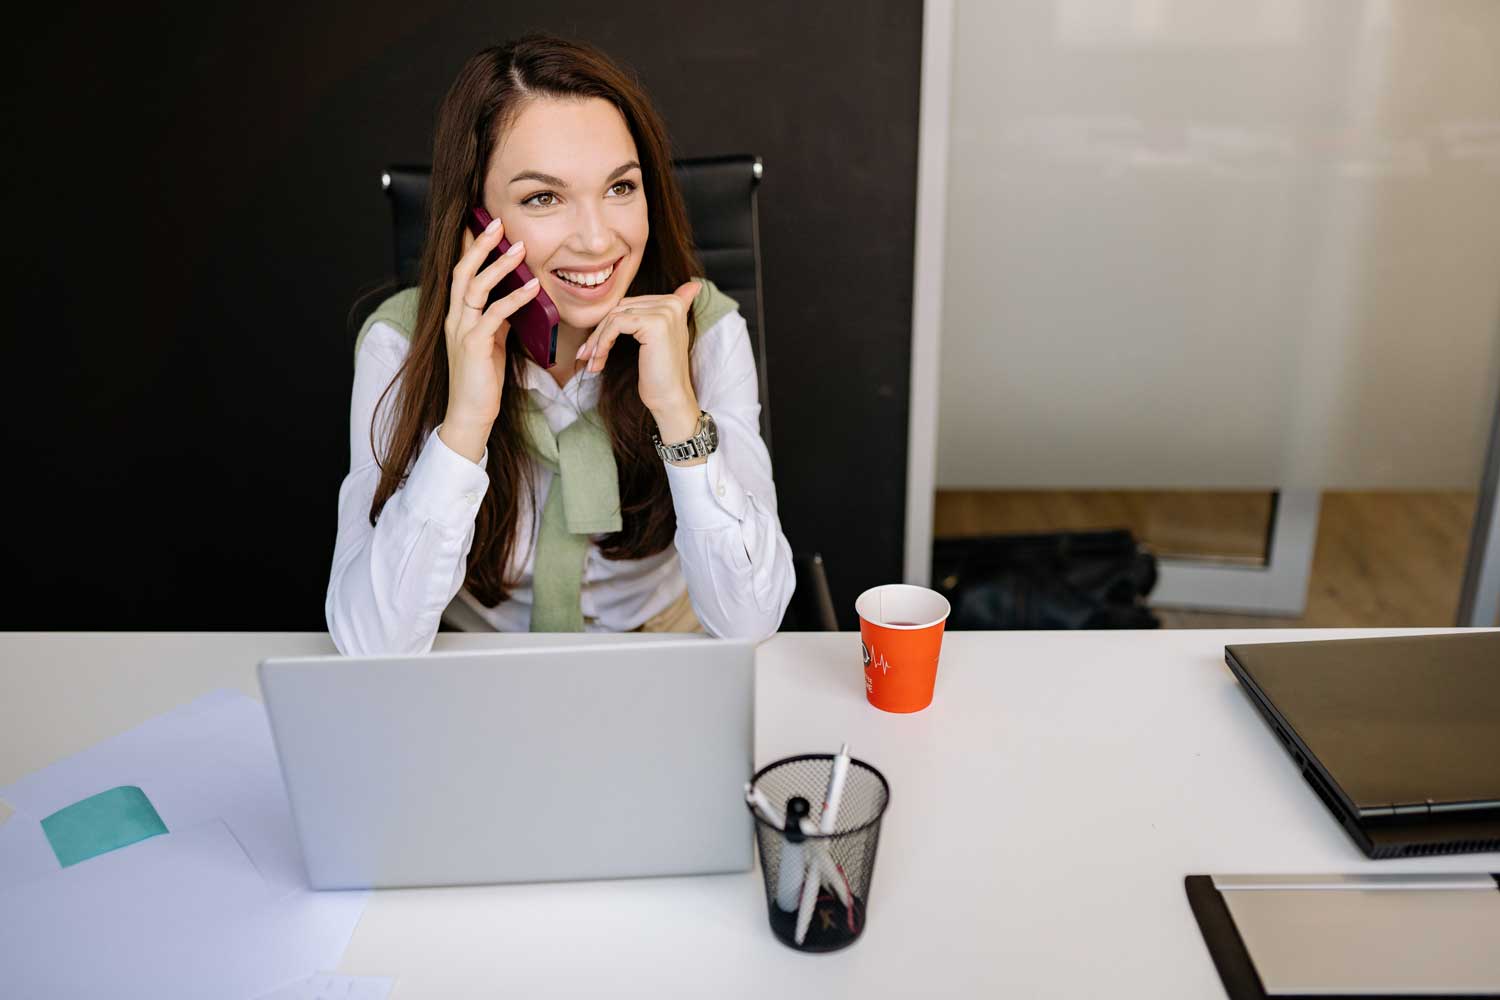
x,y
588,280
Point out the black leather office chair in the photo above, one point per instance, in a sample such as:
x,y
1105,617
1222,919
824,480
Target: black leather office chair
x,y
720,192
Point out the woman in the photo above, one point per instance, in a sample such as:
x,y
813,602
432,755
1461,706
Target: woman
x,y
537,498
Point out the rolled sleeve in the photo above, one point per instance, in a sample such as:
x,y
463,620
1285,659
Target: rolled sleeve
x,y
735,557
393,575
706,496
444,486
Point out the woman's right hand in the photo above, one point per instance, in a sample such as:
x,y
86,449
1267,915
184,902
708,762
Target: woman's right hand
x,y
476,340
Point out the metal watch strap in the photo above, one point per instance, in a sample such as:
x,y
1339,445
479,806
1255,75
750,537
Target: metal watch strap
x,y
704,442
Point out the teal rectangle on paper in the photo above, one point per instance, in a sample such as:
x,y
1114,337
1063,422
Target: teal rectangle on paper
x,y
101,823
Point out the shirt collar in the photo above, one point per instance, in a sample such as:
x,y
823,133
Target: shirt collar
x,y
580,393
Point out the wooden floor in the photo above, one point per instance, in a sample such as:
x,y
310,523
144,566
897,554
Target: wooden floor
x,y
1382,559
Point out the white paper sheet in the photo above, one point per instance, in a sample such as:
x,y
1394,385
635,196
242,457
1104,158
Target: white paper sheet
x,y
212,758
181,915
207,765
328,986
24,851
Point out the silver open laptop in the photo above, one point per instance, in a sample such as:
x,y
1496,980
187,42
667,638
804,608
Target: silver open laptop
x,y
547,757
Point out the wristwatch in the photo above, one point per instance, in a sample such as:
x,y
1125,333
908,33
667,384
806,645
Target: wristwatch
x,y
704,442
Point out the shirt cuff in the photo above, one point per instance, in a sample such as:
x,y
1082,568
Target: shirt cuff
x,y
444,486
707,495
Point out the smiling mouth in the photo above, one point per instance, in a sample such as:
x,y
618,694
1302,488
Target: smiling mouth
x,y
596,278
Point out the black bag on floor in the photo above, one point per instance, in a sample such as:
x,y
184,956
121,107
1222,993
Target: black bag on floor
x,y
1082,579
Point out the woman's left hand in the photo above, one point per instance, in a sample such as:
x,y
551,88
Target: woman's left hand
x,y
659,325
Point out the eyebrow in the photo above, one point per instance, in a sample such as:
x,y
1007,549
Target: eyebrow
x,y
537,175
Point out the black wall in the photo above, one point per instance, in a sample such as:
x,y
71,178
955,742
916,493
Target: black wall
x,y
192,202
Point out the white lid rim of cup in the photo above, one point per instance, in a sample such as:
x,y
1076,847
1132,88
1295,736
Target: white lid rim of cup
x,y
908,588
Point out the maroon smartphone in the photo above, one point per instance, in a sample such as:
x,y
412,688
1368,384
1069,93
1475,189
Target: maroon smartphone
x,y
535,323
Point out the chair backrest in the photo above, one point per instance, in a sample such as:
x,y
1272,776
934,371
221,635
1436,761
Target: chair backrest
x,y
720,195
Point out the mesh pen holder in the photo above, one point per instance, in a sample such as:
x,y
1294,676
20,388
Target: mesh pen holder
x,y
833,918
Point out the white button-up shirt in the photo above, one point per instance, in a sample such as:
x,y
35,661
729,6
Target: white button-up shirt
x,y
390,582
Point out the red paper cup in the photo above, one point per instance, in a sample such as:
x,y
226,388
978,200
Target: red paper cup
x,y
901,633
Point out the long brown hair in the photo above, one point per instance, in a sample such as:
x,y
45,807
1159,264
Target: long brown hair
x,y
483,102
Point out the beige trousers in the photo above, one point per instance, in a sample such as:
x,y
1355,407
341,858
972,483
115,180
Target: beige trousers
x,y
675,617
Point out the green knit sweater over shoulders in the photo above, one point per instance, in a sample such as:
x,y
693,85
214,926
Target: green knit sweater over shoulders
x,y
584,498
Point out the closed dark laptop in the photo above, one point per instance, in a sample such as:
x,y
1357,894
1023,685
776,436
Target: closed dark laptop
x,y
1399,736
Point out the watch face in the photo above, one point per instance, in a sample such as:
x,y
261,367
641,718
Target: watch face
x,y
711,431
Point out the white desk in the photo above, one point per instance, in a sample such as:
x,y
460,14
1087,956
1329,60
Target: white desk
x,y
1043,813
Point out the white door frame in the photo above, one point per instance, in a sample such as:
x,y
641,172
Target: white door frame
x,y
1279,587
1479,601
927,286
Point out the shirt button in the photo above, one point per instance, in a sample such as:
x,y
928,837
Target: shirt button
x,y
471,497
721,489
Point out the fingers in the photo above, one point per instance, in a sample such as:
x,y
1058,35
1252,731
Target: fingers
x,y
478,250
479,288
603,333
640,316
640,322
469,263
683,297
501,310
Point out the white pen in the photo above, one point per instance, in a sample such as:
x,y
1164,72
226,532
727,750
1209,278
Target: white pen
x,y
829,820
785,890
832,873
793,867
768,812
818,866
773,816
836,782
810,885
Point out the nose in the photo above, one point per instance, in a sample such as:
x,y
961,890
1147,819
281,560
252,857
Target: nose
x,y
594,234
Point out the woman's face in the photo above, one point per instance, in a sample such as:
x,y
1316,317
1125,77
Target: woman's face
x,y
565,179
